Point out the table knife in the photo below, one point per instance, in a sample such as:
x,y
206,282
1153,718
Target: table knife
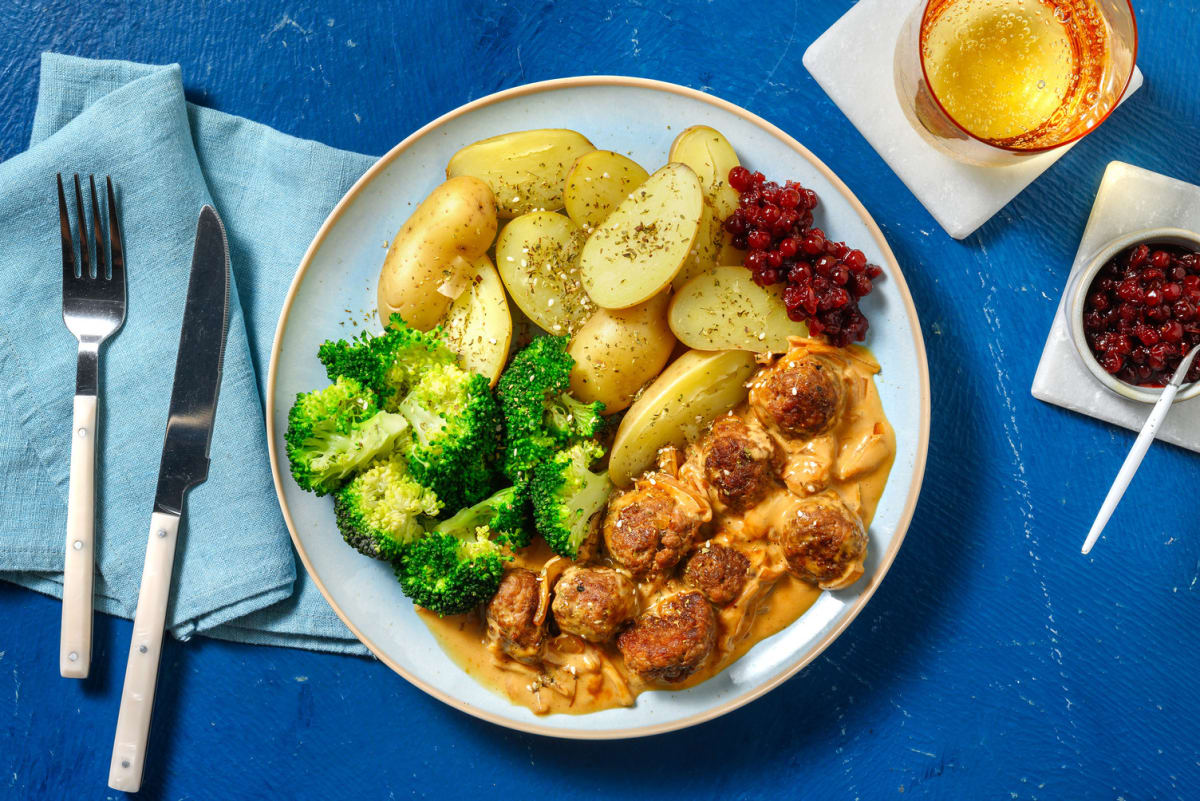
x,y
184,465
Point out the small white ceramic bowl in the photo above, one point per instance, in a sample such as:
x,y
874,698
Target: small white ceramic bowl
x,y
1078,295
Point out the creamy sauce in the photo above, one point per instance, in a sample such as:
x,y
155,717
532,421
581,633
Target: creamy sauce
x,y
577,677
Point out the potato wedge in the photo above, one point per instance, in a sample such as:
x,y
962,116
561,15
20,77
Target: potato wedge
x,y
597,183
723,309
525,169
431,259
694,389
538,258
478,326
641,246
618,351
711,157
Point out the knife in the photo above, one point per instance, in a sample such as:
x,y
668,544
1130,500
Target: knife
x,y
184,465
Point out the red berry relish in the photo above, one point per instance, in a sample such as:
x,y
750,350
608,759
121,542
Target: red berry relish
x,y
822,280
1140,316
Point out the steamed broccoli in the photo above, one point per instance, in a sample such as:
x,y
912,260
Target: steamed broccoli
x,y
335,432
565,495
380,511
389,363
541,418
452,569
505,514
456,434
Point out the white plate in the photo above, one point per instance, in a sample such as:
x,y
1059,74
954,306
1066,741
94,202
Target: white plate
x,y
339,272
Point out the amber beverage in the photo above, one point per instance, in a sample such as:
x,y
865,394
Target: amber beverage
x,y
993,81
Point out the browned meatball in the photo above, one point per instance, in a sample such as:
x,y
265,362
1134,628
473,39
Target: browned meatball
x,y
671,642
512,615
717,571
800,396
738,462
593,602
823,541
651,526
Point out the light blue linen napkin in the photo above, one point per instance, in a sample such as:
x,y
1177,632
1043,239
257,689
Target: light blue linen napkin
x,y
236,574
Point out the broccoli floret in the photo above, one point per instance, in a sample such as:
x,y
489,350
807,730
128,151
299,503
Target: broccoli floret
x,y
335,432
540,417
456,434
505,514
389,363
451,571
565,495
380,511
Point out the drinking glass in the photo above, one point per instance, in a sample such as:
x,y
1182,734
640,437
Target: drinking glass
x,y
994,82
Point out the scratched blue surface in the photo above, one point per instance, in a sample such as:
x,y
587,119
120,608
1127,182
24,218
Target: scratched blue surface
x,y
994,662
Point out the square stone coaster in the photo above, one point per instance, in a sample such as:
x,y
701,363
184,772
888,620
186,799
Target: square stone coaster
x,y
853,63
1129,199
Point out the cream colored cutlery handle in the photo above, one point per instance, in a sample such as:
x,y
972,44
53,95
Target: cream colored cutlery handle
x,y
79,564
145,649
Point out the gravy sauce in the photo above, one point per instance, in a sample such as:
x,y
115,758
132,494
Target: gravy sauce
x,y
577,677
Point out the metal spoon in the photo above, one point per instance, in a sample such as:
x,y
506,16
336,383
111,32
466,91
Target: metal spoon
x,y
1138,451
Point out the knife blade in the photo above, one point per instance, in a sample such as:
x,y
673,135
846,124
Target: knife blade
x,y
184,464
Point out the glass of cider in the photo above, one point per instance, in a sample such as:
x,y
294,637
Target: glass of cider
x,y
995,81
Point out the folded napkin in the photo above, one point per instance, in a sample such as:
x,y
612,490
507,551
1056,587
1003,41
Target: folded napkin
x,y
236,574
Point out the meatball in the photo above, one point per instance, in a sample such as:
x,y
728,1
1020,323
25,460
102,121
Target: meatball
x,y
671,642
651,526
823,541
800,396
593,602
512,615
738,463
718,571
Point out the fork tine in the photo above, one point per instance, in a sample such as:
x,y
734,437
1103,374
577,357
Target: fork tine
x,y
97,233
64,224
85,259
114,237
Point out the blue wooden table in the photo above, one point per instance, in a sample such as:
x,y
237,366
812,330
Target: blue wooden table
x,y
994,662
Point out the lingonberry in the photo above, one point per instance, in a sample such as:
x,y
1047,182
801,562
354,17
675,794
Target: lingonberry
x,y
1143,307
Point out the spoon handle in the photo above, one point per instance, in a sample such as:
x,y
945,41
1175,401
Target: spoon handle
x,y
1132,462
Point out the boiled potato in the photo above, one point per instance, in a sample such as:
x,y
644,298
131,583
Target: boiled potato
x,y
617,351
525,169
711,157
706,250
431,259
696,388
538,258
723,309
729,254
597,183
478,326
636,252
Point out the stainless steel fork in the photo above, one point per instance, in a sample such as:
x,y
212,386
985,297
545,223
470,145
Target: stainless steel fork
x,y
93,307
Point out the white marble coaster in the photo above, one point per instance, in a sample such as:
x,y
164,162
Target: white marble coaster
x,y
853,63
1129,199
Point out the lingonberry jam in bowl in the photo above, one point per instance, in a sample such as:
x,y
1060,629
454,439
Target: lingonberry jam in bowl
x,y
1135,312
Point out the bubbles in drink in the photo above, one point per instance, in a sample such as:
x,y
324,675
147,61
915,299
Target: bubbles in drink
x,y
1016,73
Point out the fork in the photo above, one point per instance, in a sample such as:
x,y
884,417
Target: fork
x,y
93,308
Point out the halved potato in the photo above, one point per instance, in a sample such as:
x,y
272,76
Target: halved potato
x,y
641,246
711,157
693,390
597,183
430,261
525,169
706,250
538,258
617,351
478,326
723,309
